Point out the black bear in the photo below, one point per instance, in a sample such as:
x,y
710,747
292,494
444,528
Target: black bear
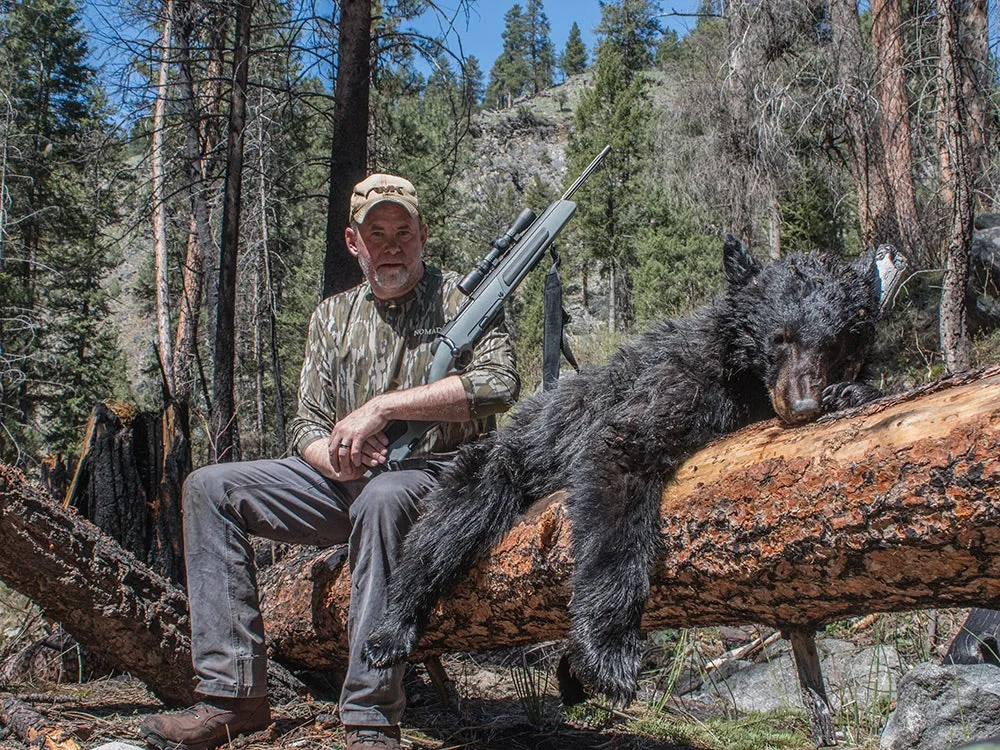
x,y
787,338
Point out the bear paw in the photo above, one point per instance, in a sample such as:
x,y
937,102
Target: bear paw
x,y
612,670
388,645
848,395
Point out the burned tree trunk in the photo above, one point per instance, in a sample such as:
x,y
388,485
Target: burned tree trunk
x,y
128,481
896,508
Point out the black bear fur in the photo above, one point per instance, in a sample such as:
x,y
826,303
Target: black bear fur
x,y
787,338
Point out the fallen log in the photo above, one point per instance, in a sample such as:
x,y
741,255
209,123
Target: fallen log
x,y
103,596
895,507
32,728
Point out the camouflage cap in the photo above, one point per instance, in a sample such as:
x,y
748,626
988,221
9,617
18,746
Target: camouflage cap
x,y
383,187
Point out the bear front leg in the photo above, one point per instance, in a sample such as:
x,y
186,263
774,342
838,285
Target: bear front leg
x,y
615,540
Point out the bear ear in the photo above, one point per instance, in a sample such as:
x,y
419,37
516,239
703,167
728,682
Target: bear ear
x,y
739,264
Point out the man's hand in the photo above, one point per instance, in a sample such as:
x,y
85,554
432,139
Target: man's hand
x,y
358,440
331,459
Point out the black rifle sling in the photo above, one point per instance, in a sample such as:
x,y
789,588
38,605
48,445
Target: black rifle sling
x,y
554,340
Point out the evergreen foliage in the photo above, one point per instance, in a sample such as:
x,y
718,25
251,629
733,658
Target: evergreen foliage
x,y
540,53
617,112
573,59
527,61
57,350
632,28
510,76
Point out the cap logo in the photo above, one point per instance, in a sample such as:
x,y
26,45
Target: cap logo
x,y
383,189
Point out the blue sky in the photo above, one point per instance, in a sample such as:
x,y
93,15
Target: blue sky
x,y
481,33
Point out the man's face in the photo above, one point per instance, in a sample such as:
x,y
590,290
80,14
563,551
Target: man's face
x,y
389,247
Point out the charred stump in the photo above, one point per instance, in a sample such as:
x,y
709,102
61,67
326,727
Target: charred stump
x,y
128,481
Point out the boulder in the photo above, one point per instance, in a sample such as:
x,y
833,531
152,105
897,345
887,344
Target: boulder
x,y
856,677
941,707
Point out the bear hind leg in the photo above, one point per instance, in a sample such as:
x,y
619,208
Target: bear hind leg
x,y
477,500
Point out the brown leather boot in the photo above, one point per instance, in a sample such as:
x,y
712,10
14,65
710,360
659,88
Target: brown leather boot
x,y
207,724
372,737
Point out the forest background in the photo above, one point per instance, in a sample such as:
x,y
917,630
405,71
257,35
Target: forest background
x,y
167,226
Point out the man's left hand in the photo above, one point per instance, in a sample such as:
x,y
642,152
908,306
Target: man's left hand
x,y
358,439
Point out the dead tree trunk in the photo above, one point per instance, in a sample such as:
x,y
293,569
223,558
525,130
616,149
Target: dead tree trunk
x,y
225,432
894,508
897,508
128,481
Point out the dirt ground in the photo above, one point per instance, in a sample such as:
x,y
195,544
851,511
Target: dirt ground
x,y
486,714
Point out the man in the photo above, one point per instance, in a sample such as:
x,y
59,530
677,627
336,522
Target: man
x,y
368,352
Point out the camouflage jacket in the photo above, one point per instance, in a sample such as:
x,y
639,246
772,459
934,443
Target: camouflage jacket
x,y
359,346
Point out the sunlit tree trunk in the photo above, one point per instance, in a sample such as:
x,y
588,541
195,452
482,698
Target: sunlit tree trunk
x,y
894,116
160,206
857,106
738,140
956,188
976,63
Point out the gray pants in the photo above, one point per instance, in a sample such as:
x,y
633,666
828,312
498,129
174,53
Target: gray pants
x,y
287,500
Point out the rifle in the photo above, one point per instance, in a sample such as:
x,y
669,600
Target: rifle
x,y
512,257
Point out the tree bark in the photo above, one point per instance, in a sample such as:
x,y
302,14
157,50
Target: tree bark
x,y
897,508
31,727
955,167
860,118
128,481
199,223
894,508
104,597
160,205
894,116
225,433
348,162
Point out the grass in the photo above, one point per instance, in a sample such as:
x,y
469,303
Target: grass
x,y
774,730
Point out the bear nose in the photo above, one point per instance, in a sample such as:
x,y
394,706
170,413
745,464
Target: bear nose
x,y
805,408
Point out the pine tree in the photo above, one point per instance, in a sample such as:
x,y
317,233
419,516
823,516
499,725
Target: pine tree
x,y
573,60
614,111
472,83
510,76
540,54
57,353
633,28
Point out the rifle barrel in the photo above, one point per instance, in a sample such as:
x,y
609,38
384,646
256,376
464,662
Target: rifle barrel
x,y
586,173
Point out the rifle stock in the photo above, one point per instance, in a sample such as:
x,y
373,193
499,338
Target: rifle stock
x,y
488,287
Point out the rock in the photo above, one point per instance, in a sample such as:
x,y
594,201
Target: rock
x,y
983,293
854,676
977,641
941,707
117,746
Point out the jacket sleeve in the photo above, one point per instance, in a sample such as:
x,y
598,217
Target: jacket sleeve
x,y
491,381
316,413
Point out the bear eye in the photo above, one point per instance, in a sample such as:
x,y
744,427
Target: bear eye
x,y
781,338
